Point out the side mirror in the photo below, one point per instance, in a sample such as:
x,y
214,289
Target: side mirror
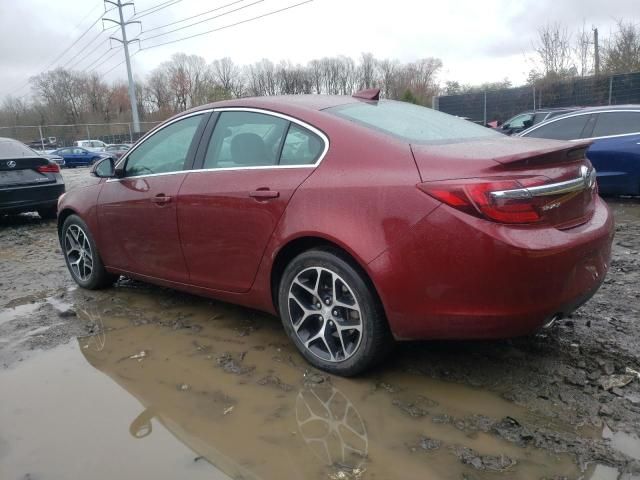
x,y
506,126
104,168
527,123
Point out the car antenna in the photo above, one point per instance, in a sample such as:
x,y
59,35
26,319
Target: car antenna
x,y
368,94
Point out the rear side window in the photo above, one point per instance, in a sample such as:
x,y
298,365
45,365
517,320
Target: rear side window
x,y
565,129
165,151
10,148
301,147
616,123
245,139
412,123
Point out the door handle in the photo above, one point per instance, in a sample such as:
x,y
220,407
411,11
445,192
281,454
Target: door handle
x,y
264,194
161,199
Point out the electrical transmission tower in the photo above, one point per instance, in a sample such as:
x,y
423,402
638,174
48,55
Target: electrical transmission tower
x,y
125,43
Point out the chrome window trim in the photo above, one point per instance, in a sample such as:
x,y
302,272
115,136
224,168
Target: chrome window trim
x,y
301,123
148,136
577,114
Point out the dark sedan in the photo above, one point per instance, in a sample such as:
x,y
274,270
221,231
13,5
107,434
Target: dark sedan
x,y
79,157
615,151
28,181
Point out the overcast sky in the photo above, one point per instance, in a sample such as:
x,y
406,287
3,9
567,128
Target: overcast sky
x,y
477,40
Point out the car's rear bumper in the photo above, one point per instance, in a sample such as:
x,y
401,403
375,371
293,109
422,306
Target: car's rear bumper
x,y
28,198
456,276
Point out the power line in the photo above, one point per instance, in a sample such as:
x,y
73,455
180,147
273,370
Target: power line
x,y
193,16
203,21
85,47
157,8
93,65
74,43
227,26
78,39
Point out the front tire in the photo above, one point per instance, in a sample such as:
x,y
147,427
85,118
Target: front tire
x,y
81,255
330,311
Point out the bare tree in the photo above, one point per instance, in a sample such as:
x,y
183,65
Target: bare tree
x,y
622,50
553,48
367,70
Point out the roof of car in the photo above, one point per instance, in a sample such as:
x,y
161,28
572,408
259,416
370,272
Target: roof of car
x,y
306,102
610,107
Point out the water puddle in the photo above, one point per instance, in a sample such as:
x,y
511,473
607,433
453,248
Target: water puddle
x,y
627,443
177,387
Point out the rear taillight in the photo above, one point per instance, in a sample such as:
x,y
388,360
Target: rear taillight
x,y
49,168
477,197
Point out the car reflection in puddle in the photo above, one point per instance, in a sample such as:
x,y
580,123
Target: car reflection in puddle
x,y
228,385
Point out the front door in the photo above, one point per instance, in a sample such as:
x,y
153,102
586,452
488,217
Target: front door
x,y
228,209
137,213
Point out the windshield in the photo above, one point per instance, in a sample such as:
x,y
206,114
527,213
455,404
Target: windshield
x,y
410,122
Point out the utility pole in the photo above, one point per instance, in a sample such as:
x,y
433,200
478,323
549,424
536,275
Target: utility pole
x,y
125,43
596,51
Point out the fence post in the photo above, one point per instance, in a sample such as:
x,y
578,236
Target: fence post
x,y
435,102
88,135
610,87
130,135
534,97
484,116
41,136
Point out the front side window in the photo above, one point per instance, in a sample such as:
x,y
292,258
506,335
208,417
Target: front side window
x,y
245,139
411,123
301,147
165,151
616,123
565,129
79,151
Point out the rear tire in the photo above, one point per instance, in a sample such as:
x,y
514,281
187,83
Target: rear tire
x,y
82,257
48,213
331,312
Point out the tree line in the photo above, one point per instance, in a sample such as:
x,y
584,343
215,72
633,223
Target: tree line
x,y
559,54
184,81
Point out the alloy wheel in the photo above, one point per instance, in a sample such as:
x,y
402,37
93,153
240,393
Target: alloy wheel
x,y
325,314
78,252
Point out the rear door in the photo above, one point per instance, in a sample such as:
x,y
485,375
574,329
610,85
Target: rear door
x,y
251,162
137,213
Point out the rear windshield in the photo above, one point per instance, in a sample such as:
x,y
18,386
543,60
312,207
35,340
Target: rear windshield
x,y
10,148
412,123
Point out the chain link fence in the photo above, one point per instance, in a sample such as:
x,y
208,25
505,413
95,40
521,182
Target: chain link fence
x,y
56,136
487,106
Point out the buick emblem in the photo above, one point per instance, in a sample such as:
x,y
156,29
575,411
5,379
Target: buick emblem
x,y
11,164
588,176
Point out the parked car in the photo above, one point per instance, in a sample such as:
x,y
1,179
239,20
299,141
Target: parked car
x,y
524,120
358,221
49,143
54,158
79,157
28,181
117,150
91,145
615,151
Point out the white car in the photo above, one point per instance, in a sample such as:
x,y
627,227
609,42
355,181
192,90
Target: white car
x,y
91,145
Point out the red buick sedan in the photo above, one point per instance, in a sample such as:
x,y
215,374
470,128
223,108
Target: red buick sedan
x,y
356,220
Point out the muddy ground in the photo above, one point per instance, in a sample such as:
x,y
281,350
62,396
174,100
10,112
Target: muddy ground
x,y
143,382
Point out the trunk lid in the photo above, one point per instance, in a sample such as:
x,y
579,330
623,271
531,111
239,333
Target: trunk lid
x,y
555,178
21,171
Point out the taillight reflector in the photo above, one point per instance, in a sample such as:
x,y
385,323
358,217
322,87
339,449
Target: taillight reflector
x,y
49,168
473,196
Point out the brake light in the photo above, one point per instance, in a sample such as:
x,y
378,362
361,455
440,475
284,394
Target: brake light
x,y
49,168
474,196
